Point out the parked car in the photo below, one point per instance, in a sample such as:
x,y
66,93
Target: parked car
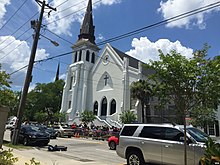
x,y
63,130
30,134
160,144
10,125
51,131
112,142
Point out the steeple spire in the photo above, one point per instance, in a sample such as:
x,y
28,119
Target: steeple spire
x,y
87,29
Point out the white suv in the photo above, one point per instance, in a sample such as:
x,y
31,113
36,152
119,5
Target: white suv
x,y
160,144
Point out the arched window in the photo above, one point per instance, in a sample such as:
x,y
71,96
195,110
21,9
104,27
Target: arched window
x,y
113,107
93,58
80,55
87,55
104,107
75,60
95,108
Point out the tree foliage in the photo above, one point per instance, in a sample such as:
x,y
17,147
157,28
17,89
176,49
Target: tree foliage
x,y
127,117
143,90
87,117
187,83
44,100
5,93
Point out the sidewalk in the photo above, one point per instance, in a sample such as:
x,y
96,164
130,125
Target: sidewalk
x,y
23,155
48,158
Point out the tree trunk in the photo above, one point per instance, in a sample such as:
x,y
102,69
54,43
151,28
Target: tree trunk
x,y
142,105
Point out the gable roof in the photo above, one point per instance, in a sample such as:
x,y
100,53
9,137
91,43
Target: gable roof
x,y
133,62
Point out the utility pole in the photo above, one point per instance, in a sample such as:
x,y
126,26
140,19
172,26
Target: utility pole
x,y
29,73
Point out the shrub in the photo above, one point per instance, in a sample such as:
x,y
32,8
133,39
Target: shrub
x,y
7,158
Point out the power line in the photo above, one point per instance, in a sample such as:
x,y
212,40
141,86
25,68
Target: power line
x,y
175,18
19,28
15,40
15,47
62,3
71,13
13,15
59,36
68,8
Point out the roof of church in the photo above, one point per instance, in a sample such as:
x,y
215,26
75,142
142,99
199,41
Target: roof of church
x,y
133,62
87,29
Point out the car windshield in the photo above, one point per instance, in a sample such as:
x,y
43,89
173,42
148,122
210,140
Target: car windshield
x,y
32,128
66,126
197,134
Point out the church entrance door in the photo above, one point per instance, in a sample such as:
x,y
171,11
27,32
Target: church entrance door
x,y
104,107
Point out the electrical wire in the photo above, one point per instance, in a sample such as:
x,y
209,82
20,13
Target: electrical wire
x,y
59,36
15,48
19,28
175,18
71,14
13,15
15,40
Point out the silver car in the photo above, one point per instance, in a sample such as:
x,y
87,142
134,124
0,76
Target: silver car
x,y
160,144
63,130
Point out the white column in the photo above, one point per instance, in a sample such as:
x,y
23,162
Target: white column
x,y
84,92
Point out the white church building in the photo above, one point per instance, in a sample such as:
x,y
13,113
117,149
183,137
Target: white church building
x,y
99,81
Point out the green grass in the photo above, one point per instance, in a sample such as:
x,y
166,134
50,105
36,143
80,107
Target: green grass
x,y
18,146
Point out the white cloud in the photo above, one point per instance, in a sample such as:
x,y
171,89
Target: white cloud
x,y
63,76
14,55
71,11
146,50
3,4
172,8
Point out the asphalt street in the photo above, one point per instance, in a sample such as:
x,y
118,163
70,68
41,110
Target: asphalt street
x,y
79,151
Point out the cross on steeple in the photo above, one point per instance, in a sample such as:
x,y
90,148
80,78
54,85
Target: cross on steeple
x,y
106,79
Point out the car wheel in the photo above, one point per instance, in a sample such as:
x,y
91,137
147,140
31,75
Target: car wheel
x,y
25,141
135,158
69,136
112,145
59,134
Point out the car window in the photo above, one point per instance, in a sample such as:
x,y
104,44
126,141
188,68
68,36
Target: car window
x,y
56,127
128,130
198,135
151,132
173,134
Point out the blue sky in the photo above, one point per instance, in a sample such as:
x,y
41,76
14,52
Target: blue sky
x,y
111,18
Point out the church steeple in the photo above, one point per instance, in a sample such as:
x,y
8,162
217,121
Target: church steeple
x,y
87,29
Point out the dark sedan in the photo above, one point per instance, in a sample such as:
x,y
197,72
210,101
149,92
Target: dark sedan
x,y
52,132
30,134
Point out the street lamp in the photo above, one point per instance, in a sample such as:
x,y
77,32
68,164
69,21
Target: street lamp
x,y
53,42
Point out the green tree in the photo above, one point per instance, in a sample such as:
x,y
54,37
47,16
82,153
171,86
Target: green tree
x,y
143,90
40,117
127,117
87,117
44,98
187,83
59,117
5,93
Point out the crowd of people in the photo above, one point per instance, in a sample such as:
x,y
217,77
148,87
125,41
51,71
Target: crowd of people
x,y
94,131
